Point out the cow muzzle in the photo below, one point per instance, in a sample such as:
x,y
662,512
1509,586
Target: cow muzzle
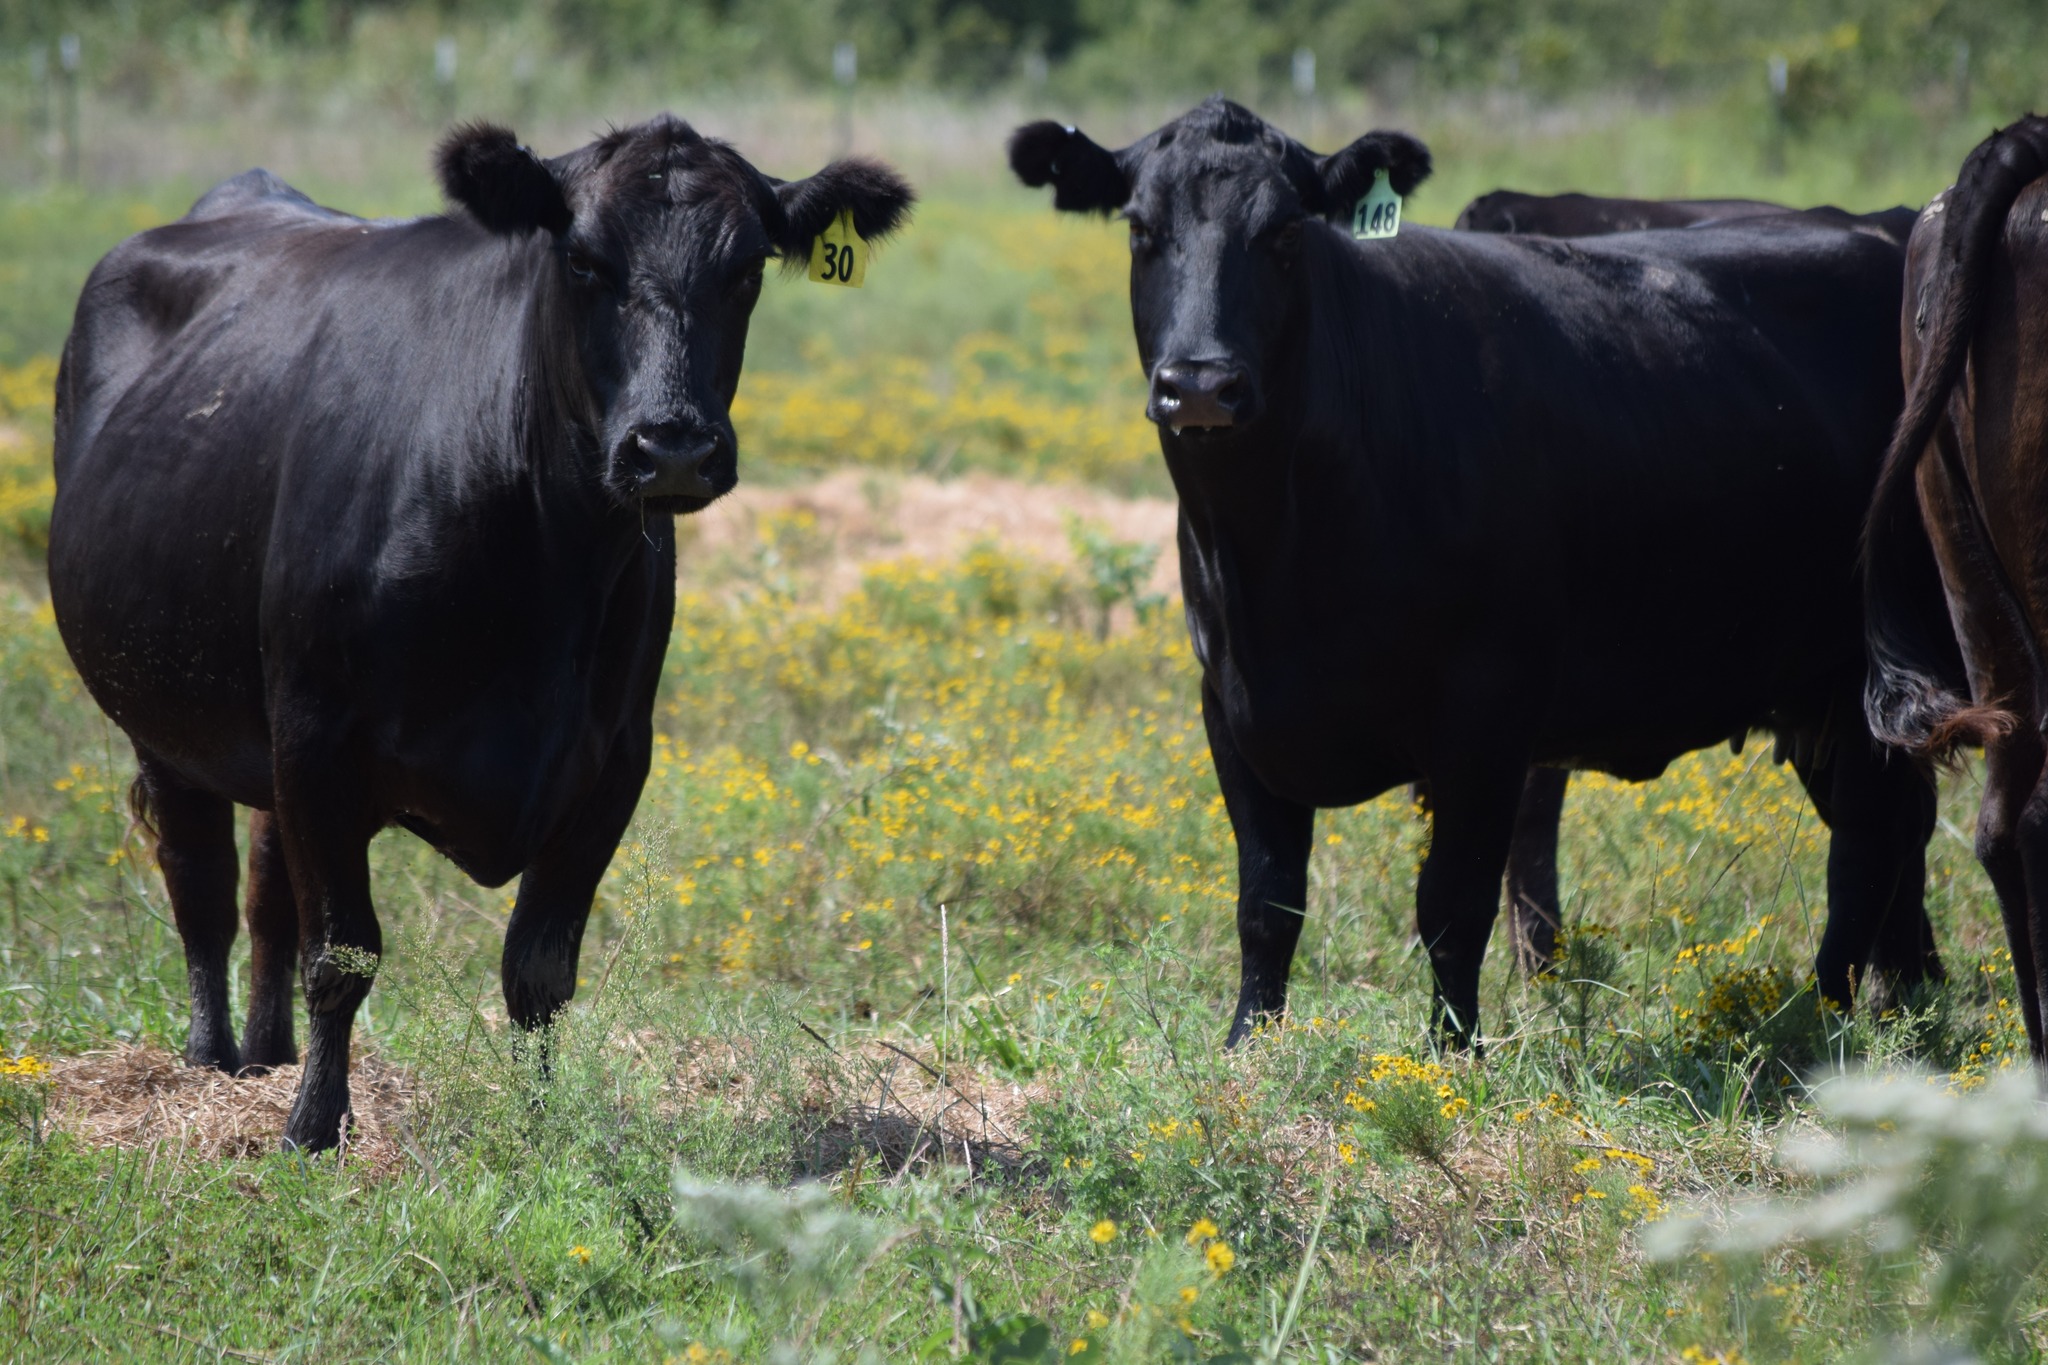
x,y
1197,397
666,460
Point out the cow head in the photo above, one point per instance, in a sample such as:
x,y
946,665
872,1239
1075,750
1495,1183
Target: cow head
x,y
659,237
1222,207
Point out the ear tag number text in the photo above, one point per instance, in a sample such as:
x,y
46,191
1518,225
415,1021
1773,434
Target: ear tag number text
x,y
1378,214
840,256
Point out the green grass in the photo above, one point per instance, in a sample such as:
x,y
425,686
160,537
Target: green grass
x,y
945,819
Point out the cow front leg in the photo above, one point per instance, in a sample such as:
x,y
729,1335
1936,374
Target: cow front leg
x,y
325,826
545,936
1273,836
195,850
1457,895
1534,914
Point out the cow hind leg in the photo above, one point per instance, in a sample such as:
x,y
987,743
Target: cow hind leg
x,y
1533,909
1458,894
2033,857
195,850
273,915
1904,956
1880,812
2013,768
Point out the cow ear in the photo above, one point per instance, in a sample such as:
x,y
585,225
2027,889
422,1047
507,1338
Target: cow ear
x,y
875,194
1347,175
1085,177
502,184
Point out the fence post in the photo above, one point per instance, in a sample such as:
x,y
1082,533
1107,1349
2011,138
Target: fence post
x,y
444,76
845,69
1778,73
1962,77
1304,72
69,59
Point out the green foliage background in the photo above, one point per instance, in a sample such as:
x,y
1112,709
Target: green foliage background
x,y
1835,50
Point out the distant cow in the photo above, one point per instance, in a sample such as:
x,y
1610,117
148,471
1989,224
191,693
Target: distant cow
x,y
1534,913
1972,444
371,523
1453,503
1585,215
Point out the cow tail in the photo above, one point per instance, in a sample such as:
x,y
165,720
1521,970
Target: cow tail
x,y
142,809
1916,696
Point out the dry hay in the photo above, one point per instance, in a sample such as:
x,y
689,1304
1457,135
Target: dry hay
x,y
873,1104
863,517
146,1097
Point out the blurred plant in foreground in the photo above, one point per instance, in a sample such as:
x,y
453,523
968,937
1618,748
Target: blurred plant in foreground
x,y
1931,1205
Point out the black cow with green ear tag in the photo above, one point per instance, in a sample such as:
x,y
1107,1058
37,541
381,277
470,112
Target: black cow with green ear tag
x,y
372,523
1454,504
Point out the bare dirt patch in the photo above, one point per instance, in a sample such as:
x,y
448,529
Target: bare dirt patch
x,y
824,534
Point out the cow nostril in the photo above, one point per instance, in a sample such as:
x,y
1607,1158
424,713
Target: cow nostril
x,y
1169,394
1230,394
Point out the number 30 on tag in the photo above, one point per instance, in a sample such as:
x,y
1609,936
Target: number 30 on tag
x,y
839,256
1378,214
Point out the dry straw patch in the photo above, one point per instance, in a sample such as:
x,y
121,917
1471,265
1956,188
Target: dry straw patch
x,y
840,525
146,1097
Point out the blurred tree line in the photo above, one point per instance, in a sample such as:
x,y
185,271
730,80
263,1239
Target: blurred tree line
x,y
1833,52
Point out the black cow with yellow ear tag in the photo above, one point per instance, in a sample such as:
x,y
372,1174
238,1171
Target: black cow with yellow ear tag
x,y
373,523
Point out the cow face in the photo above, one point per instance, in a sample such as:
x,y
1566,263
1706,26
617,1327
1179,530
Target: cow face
x,y
1220,205
660,237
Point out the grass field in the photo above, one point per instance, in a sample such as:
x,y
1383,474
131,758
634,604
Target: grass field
x,y
898,1030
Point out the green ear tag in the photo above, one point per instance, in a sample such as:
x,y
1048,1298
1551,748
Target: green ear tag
x,y
839,256
1379,213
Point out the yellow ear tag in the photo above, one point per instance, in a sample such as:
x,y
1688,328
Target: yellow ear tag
x,y
839,256
1377,215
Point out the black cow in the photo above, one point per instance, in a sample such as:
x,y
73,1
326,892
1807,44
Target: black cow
x,y
371,523
1452,503
1585,215
1534,914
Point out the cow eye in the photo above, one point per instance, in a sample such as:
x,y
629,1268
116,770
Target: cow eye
x,y
1287,240
748,280
1141,236
583,265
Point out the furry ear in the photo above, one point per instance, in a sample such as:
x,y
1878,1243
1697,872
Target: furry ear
x,y
879,198
1085,178
502,184
1347,175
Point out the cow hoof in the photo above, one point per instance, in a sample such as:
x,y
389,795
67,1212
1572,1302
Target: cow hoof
x,y
213,1054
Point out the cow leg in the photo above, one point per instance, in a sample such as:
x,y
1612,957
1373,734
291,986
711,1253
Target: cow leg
x,y
545,935
1904,955
1458,894
1273,836
195,850
1880,814
2013,768
325,830
2032,832
1534,914
273,915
